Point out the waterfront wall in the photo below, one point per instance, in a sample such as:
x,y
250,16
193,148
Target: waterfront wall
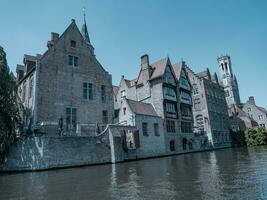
x,y
37,153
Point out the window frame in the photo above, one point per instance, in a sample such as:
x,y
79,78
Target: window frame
x,y
145,128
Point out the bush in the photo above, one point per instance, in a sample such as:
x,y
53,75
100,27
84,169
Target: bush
x,y
256,136
238,138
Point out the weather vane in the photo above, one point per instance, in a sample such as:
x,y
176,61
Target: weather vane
x,y
84,11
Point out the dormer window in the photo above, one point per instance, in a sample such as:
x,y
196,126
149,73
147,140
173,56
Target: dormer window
x,y
73,43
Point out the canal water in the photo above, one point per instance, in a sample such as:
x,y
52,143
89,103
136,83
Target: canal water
x,y
238,173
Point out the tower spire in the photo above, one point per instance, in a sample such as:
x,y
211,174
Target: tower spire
x,y
84,29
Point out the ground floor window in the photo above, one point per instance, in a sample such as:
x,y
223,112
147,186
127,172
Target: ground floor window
x,y
156,129
71,119
262,125
186,127
172,145
144,128
170,126
184,143
105,116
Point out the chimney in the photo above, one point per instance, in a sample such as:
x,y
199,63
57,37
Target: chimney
x,y
144,62
54,37
251,100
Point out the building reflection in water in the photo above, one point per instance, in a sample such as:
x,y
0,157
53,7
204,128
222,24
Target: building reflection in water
x,y
237,173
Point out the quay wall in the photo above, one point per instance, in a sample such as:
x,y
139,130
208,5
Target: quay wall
x,y
43,152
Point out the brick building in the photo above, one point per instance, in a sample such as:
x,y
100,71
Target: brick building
x,y
257,113
209,107
157,85
66,81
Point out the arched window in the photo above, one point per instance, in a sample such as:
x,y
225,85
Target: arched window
x,y
184,143
222,66
172,145
226,67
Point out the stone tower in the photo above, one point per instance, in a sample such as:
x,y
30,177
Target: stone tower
x,y
229,81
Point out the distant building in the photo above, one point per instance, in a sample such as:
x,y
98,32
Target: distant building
x,y
229,81
209,107
66,81
240,120
257,113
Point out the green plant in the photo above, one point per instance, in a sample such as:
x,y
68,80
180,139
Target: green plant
x,y
256,136
10,120
238,138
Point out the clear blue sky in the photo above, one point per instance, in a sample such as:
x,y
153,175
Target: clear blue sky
x,y
197,31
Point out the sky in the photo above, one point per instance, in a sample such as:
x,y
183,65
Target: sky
x,y
121,31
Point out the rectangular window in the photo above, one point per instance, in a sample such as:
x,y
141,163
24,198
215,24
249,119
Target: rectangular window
x,y
260,117
73,61
186,127
31,87
71,119
156,129
186,110
227,94
124,111
170,107
88,91
170,126
73,43
262,125
103,93
123,93
197,105
144,128
249,109
105,116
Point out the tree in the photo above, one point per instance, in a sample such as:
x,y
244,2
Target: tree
x,y
238,138
256,136
10,120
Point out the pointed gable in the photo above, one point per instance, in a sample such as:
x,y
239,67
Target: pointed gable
x,y
158,69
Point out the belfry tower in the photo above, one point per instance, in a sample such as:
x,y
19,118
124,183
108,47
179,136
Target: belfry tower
x,y
229,81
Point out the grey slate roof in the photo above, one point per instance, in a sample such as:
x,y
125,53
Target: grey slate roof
x,y
142,108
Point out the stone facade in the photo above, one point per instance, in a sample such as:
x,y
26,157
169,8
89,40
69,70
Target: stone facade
x,y
148,140
69,82
240,120
229,81
209,107
170,95
255,112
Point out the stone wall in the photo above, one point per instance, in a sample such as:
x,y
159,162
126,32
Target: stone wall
x,y
37,153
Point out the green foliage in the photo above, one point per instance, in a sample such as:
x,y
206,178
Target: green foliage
x,y
238,138
9,107
256,136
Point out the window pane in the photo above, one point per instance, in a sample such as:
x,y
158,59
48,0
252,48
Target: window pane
x,y
90,85
75,61
71,60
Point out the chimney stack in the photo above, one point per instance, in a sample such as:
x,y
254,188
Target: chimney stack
x,y
251,100
54,37
144,62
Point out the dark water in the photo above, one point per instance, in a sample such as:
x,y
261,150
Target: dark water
x,y
238,173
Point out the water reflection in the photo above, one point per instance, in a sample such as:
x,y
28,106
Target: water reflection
x,y
225,174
